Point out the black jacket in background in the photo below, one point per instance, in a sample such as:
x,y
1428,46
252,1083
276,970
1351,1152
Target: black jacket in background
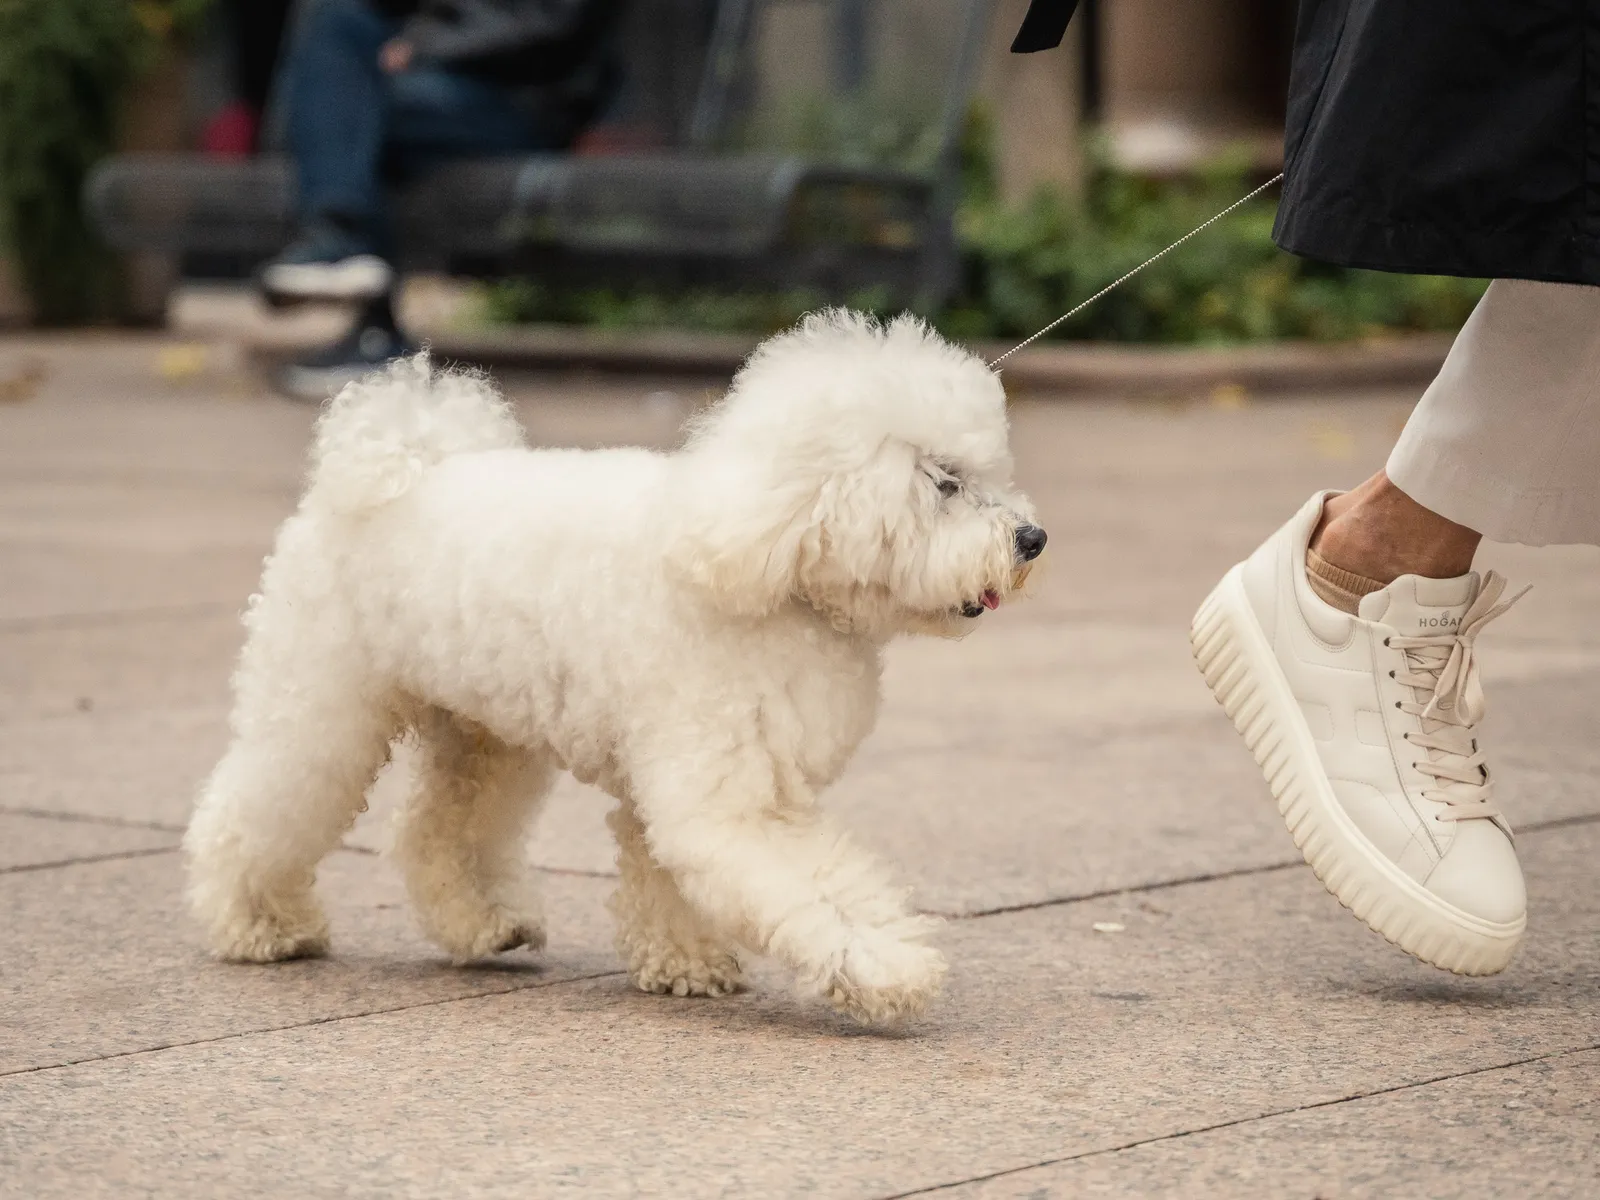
x,y
1446,137
513,41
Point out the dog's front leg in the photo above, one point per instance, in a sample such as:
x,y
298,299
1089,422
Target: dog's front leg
x,y
791,886
668,946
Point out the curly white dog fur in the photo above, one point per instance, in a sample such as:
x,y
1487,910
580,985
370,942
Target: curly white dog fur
x,y
697,633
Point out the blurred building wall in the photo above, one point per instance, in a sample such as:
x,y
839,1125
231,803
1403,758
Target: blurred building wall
x,y
1036,105
1187,79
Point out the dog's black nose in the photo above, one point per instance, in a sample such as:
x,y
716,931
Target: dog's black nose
x,y
1030,542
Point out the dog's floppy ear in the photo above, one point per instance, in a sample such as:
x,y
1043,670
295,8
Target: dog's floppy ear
x,y
737,537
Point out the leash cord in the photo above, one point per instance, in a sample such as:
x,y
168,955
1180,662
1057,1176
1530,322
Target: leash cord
x,y
1111,287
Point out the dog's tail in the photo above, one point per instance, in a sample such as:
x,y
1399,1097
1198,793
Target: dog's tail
x,y
378,436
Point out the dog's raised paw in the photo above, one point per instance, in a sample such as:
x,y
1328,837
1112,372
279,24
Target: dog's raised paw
x,y
886,980
498,933
529,935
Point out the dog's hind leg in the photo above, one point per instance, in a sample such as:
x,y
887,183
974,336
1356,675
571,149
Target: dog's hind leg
x,y
669,948
461,840
308,740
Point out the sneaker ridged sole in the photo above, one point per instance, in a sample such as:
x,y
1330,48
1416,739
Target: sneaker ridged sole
x,y
1240,668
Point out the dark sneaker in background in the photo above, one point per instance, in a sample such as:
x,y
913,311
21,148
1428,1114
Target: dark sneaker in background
x,y
327,262
368,347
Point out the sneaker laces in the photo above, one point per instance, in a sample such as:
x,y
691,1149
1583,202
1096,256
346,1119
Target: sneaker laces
x,y
1443,667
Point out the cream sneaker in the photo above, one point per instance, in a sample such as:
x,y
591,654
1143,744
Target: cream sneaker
x,y
1365,728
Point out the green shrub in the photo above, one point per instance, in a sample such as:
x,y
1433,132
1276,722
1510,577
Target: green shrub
x,y
1025,267
705,310
65,70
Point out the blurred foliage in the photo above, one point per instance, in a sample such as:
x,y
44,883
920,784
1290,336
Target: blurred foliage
x,y
702,309
1024,266
66,67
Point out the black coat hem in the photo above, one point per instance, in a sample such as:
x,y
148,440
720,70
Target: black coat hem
x,y
1467,253
1446,137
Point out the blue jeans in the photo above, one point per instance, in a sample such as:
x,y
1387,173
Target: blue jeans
x,y
352,127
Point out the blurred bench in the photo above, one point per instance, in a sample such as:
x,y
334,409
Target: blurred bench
x,y
820,151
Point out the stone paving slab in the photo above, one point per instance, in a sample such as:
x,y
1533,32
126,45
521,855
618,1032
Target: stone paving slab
x,y
178,657
1527,1130
102,414
31,842
1159,500
47,584
1226,1001
141,767
167,515
101,959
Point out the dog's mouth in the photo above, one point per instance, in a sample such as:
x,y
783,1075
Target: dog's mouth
x,y
990,599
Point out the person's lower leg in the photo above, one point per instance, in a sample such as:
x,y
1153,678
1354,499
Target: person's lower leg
x,y
338,111
1376,533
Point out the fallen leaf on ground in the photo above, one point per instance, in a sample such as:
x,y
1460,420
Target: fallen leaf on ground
x,y
1229,396
24,385
181,362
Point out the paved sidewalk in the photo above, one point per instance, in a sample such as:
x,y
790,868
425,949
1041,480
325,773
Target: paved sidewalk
x,y
1149,994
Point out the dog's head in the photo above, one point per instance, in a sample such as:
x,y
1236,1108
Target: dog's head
x,y
862,469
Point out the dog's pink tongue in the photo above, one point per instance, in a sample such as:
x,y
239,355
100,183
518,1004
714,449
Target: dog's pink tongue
x,y
991,599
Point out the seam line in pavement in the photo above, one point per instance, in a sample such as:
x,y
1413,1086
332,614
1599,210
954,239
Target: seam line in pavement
x,y
88,858
16,810
580,873
1081,897
126,616
241,1034
10,810
1560,822
1209,877
575,872
1237,1121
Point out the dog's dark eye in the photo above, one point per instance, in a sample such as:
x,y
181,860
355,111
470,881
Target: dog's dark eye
x,y
948,487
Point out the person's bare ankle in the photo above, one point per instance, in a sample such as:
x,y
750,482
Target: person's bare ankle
x,y
1378,532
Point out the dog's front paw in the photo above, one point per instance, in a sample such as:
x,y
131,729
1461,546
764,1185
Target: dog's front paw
x,y
670,971
886,977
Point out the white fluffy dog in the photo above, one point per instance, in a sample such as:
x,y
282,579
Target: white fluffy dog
x,y
697,633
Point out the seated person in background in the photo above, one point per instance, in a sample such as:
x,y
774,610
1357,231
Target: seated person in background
x,y
381,90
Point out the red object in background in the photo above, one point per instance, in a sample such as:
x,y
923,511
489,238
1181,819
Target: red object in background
x,y
601,141
232,132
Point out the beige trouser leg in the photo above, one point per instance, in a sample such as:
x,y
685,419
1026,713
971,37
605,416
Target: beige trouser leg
x,y
1506,441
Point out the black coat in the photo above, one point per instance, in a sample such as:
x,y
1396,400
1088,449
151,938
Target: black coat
x,y
1444,137
558,58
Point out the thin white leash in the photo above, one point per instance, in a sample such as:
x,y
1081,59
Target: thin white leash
x,y
1111,287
